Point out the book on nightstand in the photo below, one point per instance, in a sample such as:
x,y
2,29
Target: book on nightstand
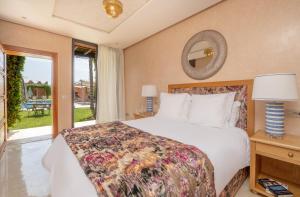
x,y
275,187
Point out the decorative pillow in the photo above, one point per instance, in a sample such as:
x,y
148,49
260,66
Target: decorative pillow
x,y
211,109
235,114
172,106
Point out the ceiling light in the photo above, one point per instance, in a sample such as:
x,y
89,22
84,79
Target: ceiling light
x,y
113,8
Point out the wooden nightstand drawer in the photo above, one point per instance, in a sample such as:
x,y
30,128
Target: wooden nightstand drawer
x,y
280,153
275,158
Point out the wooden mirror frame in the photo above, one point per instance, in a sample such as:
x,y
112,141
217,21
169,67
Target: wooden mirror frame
x,y
219,46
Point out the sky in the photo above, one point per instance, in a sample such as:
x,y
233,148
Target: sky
x,y
81,68
39,69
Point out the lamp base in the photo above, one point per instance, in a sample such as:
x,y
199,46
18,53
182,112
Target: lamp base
x,y
274,118
149,101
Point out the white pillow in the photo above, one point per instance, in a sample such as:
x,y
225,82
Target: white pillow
x,y
235,114
211,109
172,106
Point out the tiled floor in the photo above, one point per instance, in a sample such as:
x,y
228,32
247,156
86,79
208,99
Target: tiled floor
x,y
22,174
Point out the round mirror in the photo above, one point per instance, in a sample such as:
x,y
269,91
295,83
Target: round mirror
x,y
204,54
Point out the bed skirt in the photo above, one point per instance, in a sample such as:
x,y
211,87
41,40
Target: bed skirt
x,y
235,183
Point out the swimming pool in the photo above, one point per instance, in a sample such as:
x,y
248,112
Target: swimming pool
x,y
29,104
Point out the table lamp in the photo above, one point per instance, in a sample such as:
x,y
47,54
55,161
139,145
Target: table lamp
x,y
149,91
275,89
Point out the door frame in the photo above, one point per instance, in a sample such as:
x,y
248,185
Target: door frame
x,y
89,44
4,123
22,51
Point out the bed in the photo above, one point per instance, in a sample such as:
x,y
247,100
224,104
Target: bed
x,y
227,149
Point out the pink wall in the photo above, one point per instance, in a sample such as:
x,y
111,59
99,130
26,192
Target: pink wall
x,y
263,36
22,36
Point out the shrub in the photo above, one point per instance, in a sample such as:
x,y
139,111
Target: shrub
x,y
15,65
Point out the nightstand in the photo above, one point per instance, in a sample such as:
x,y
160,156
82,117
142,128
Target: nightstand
x,y
143,115
276,158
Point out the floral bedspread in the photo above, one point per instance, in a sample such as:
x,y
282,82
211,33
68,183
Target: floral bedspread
x,y
124,161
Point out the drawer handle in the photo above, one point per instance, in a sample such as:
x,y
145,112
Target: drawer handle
x,y
291,155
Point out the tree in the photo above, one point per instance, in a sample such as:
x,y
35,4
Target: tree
x,y
15,65
24,90
91,93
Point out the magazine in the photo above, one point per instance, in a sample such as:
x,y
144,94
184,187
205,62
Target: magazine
x,y
275,187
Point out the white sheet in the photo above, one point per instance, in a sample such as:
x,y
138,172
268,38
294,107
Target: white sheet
x,y
227,149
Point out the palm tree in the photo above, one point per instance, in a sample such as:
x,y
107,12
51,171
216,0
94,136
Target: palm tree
x,y
91,93
24,89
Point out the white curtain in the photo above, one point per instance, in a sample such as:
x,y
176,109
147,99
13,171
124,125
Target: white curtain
x,y
110,96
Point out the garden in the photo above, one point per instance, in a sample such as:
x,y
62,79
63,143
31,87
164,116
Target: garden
x,y
30,121
29,103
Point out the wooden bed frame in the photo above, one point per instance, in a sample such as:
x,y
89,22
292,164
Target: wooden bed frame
x,y
249,101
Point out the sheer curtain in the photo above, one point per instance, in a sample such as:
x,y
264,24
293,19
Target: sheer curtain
x,y
110,96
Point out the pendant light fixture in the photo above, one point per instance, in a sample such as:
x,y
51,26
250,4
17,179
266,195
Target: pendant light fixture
x,y
113,8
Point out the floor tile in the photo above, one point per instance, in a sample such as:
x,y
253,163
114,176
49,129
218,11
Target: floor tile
x,y
22,173
245,191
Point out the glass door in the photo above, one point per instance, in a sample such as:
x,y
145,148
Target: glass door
x,y
84,83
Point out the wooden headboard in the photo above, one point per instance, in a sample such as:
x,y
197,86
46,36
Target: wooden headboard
x,y
243,89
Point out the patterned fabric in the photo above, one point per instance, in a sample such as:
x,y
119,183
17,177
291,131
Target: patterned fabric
x,y
124,161
241,95
235,183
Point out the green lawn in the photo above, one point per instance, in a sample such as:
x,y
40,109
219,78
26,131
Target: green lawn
x,y
81,114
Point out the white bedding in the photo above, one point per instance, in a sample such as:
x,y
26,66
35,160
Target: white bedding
x,y
227,149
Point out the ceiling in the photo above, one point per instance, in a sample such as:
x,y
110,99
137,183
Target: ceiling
x,y
86,20
89,13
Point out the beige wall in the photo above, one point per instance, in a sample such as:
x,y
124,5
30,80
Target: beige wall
x,y
263,36
22,36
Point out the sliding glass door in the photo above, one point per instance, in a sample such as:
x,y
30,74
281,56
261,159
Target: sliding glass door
x,y
84,83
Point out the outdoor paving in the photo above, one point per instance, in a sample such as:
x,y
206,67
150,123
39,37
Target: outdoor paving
x,y
77,105
39,132
30,133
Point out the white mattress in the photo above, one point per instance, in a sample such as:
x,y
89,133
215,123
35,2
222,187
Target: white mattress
x,y
227,149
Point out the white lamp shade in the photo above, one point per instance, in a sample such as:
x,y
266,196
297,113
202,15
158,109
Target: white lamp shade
x,y
149,91
275,87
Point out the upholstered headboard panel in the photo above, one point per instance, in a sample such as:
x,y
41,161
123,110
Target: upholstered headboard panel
x,y
243,89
